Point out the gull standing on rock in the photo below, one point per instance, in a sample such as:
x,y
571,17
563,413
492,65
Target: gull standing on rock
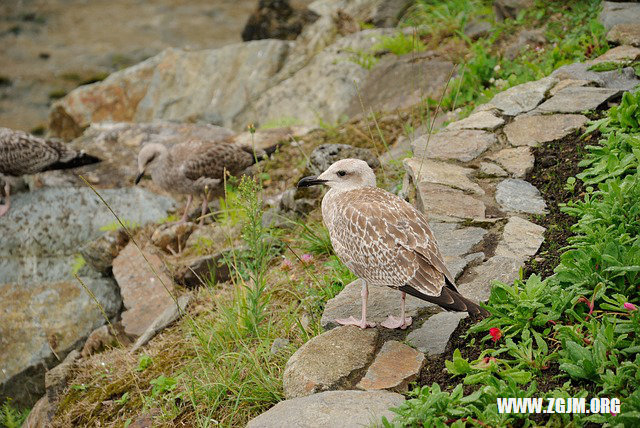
x,y
194,167
25,154
385,241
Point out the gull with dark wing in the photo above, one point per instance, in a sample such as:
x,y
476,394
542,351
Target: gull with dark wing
x,y
194,167
385,241
24,154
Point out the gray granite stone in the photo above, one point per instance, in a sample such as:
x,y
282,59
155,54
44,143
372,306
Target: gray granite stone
x,y
521,239
522,98
432,337
492,170
614,13
538,129
444,203
477,286
577,99
348,409
624,79
454,240
486,120
463,145
517,161
429,171
520,196
625,34
395,366
330,361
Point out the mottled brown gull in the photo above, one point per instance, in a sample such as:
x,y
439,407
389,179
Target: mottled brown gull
x,y
23,154
385,241
194,168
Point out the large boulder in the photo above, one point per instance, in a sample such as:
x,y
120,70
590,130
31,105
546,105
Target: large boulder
x,y
116,98
322,90
45,312
401,82
210,86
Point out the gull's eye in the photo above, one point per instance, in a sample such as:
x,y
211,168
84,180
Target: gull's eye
x,y
341,173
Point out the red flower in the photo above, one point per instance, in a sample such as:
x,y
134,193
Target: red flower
x,y
495,333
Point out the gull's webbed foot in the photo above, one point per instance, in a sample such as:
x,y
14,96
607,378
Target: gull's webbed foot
x,y
352,321
396,322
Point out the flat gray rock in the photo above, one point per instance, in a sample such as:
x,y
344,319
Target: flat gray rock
x,y
619,54
457,265
625,34
348,409
394,368
333,360
382,302
169,315
624,79
455,240
490,169
477,286
432,337
614,13
517,161
430,171
520,196
144,286
577,99
463,145
535,130
444,203
522,98
486,120
520,239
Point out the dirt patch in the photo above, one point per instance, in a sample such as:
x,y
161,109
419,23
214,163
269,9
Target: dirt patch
x,y
555,163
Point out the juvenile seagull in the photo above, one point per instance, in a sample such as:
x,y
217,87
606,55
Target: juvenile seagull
x,y
385,241
194,167
22,154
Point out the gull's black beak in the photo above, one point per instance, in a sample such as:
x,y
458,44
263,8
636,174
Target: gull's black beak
x,y
310,181
139,177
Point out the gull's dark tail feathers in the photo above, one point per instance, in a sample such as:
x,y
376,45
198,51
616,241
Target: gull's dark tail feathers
x,y
81,159
450,300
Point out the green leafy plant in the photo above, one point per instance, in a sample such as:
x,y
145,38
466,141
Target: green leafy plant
x,y
10,417
144,362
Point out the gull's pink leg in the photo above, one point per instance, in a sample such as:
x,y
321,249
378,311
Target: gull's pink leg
x,y
402,322
186,210
205,206
362,323
7,199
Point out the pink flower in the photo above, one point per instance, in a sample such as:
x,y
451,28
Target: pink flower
x,y
630,306
306,258
286,265
495,333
